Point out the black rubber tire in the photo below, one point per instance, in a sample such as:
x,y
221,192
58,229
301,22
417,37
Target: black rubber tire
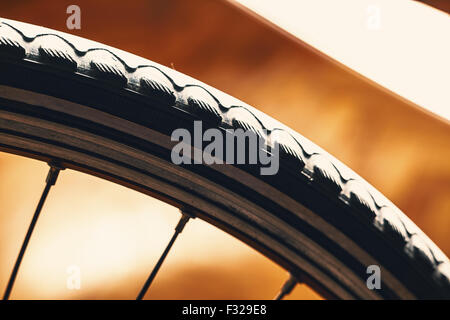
x,y
103,111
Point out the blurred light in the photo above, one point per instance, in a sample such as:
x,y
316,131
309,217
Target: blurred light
x,y
402,45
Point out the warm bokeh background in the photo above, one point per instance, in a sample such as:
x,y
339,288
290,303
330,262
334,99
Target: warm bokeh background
x,y
115,235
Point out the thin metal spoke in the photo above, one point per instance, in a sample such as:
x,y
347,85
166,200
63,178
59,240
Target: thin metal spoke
x,y
50,181
287,288
178,229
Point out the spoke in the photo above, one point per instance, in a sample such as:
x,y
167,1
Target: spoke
x,y
50,181
287,288
178,229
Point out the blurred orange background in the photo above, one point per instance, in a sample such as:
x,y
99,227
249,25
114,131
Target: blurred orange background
x,y
115,235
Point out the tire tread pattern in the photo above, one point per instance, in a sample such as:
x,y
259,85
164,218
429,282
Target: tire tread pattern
x,y
175,89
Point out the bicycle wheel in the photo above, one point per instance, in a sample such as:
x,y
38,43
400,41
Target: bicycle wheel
x,y
106,112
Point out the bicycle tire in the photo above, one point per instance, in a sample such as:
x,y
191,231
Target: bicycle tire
x,y
109,113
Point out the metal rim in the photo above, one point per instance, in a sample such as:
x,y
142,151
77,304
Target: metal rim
x,y
105,158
